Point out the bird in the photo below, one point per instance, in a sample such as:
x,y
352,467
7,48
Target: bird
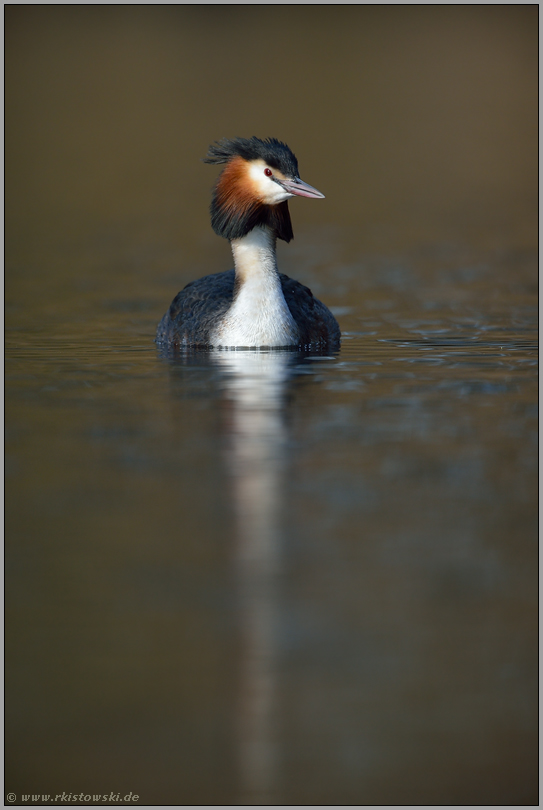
x,y
253,305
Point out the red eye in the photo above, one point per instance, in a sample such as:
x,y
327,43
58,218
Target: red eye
x,y
268,172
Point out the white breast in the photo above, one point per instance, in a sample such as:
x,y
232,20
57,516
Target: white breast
x,y
259,315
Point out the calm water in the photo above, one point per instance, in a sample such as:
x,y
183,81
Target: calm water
x,y
314,577
266,577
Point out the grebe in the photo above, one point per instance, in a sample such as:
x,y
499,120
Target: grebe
x,y
253,305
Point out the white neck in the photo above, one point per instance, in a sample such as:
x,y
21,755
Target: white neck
x,y
259,315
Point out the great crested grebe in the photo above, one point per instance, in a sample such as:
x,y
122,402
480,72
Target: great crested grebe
x,y
253,305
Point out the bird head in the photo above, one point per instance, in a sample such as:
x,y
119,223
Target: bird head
x,y
253,189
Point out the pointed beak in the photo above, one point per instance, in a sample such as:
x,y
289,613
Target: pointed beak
x,y
300,189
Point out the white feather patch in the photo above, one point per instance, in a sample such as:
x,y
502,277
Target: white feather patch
x,y
265,188
259,315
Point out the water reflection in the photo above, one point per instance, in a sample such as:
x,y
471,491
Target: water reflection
x,y
397,547
254,392
253,389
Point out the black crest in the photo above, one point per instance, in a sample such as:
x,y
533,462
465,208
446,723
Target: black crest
x,y
276,153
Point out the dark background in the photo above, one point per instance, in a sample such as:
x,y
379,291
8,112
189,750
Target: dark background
x,y
405,665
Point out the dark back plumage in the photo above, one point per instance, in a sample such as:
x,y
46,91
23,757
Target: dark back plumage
x,y
195,311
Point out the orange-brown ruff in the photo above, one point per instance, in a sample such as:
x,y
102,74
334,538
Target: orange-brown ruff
x,y
253,305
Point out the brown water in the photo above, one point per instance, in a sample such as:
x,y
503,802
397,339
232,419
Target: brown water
x,y
262,577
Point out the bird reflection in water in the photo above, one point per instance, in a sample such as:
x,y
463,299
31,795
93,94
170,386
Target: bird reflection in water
x,y
254,387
